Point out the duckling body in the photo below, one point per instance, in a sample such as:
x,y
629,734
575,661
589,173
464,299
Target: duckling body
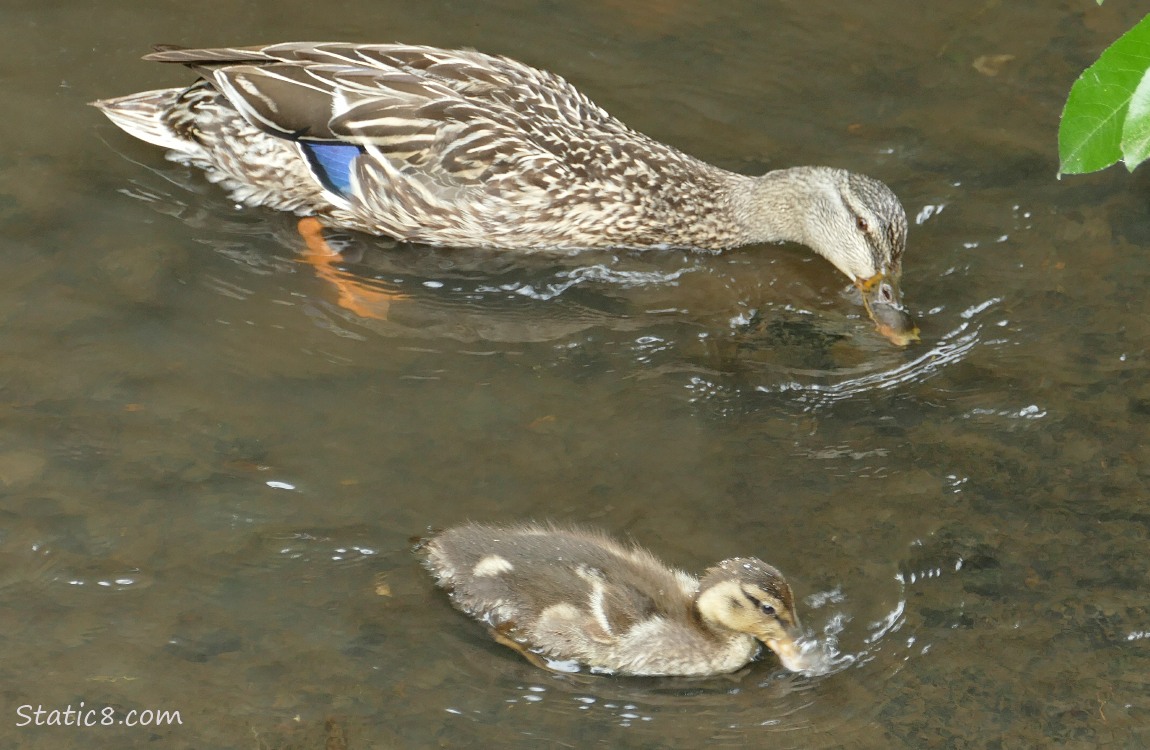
x,y
570,594
456,147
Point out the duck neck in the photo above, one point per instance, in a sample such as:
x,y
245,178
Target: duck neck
x,y
776,206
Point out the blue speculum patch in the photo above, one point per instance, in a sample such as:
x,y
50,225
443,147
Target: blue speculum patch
x,y
331,163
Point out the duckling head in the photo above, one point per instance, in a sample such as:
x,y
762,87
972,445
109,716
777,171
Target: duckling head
x,y
746,595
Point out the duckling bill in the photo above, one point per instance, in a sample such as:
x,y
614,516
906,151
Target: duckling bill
x,y
460,148
576,595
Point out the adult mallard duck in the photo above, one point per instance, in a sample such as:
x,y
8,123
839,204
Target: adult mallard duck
x,y
455,147
574,595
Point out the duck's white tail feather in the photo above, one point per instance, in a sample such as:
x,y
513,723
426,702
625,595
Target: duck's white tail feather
x,y
143,115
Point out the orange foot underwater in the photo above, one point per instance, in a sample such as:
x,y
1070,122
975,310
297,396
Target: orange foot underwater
x,y
355,294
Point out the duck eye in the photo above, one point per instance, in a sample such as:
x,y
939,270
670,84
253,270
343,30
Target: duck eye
x,y
767,610
862,224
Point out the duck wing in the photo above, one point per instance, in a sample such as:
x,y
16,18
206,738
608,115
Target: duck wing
x,y
458,117
525,575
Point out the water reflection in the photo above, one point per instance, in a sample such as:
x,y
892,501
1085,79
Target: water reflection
x,y
774,318
822,388
166,357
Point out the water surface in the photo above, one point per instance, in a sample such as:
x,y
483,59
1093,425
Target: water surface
x,y
213,455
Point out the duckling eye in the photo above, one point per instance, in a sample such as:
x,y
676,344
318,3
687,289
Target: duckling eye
x,y
862,224
763,607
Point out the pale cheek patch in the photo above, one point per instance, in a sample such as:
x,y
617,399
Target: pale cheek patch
x,y
492,565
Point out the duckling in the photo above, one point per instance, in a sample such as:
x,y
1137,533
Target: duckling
x,y
559,594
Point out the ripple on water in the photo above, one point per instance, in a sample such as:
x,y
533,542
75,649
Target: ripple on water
x,y
859,635
379,287
820,388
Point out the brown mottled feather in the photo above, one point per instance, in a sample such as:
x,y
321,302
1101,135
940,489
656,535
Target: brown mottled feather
x,y
464,148
569,593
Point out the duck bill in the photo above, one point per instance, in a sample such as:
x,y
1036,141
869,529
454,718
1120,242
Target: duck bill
x,y
883,302
789,653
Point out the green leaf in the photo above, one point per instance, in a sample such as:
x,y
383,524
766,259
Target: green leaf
x,y
1090,134
1136,128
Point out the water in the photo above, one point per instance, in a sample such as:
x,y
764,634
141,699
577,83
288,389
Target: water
x,y
213,455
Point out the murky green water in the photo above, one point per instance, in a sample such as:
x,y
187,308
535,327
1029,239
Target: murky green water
x,y
211,461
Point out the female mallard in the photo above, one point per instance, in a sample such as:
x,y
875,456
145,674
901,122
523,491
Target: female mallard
x,y
455,147
573,595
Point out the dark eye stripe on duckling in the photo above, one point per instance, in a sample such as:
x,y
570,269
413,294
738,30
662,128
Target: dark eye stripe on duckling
x,y
758,603
773,592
